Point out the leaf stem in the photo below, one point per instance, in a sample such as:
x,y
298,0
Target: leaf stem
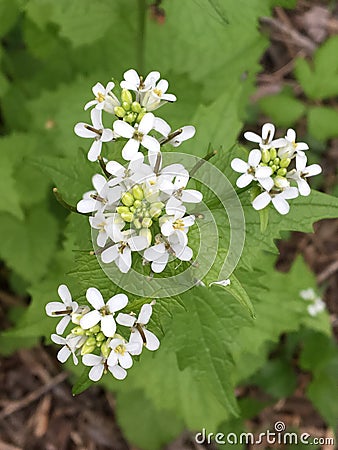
x,y
66,205
103,166
200,163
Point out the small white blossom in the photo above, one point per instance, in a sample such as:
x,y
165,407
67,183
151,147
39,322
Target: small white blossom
x,y
292,148
70,344
252,170
302,172
266,140
308,294
176,224
317,307
95,131
157,96
120,252
137,136
136,172
133,82
139,334
121,352
99,365
102,312
102,197
63,309
279,200
107,225
104,98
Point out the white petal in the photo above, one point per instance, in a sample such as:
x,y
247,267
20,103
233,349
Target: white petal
x,y
137,243
162,126
99,183
87,205
81,130
91,360
261,201
155,252
313,169
304,188
145,314
281,205
94,151
90,319
152,78
263,172
244,180
119,301
101,238
147,123
268,131
108,325
301,146
169,97
112,358
110,86
96,116
238,165
184,253
125,360
98,88
175,207
134,348
118,372
191,196
254,157
291,135
290,193
96,372
152,343
130,150
266,183
63,354
123,129
110,254
95,298
114,168
151,144
64,294
136,339
160,264
278,143
124,260
189,221
107,135
125,319
62,325
53,307
89,104
58,339
132,77
167,228
252,137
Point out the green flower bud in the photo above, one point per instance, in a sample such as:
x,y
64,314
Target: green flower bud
x,y
88,346
273,167
285,162
127,199
156,209
140,116
132,209
145,232
126,96
137,203
273,153
282,172
126,106
138,192
136,107
100,337
265,156
105,349
281,182
147,222
95,329
130,117
122,209
137,224
127,216
276,161
270,163
119,111
78,331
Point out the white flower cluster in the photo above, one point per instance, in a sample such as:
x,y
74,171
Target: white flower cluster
x,y
276,167
317,305
141,206
95,336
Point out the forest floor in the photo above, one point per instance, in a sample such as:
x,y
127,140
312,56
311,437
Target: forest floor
x,y
37,409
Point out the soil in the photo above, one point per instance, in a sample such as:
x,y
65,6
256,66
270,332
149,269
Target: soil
x,y
38,410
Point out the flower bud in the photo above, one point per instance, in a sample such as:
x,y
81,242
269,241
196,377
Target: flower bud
x,y
126,106
140,116
156,209
137,203
137,224
126,96
127,216
105,350
273,167
145,232
281,182
100,337
276,161
79,313
265,156
88,346
282,171
147,222
273,153
130,117
78,331
119,111
127,199
285,162
122,209
132,209
95,329
138,192
136,107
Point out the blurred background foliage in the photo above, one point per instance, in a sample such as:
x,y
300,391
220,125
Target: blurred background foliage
x,y
210,51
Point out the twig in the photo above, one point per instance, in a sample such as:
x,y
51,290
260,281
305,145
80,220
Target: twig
x,y
103,166
31,397
200,163
330,270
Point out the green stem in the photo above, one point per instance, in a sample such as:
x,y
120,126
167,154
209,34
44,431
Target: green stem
x,y
142,7
103,167
66,205
200,163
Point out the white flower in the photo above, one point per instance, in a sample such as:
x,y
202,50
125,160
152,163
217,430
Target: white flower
x,y
122,351
176,245
107,226
70,344
252,170
133,82
279,200
302,173
157,96
176,224
120,253
104,98
223,283
178,136
99,365
317,307
291,147
139,334
62,309
102,312
308,294
102,197
136,172
266,140
95,131
137,136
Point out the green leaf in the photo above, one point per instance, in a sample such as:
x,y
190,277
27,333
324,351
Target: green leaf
x,y
277,378
9,198
82,383
322,122
319,80
9,11
283,109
